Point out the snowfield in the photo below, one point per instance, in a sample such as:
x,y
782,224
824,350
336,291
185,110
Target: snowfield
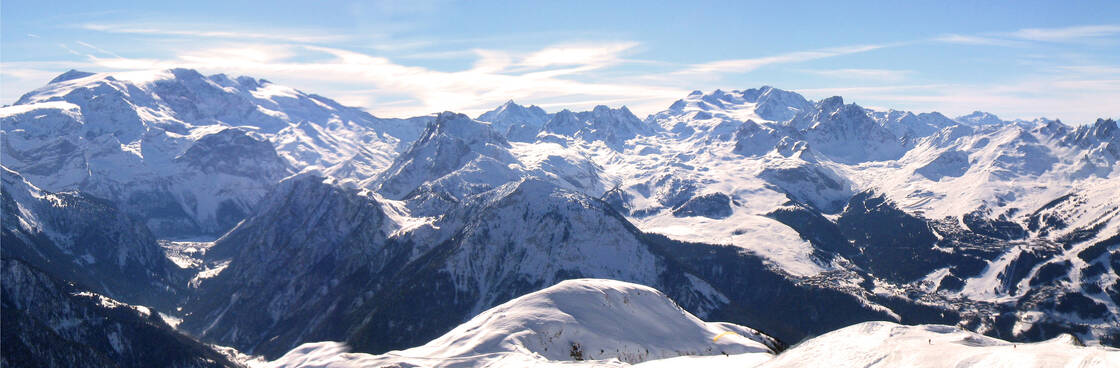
x,y
885,344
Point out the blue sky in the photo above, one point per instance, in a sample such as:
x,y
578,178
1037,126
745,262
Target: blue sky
x,y
1021,59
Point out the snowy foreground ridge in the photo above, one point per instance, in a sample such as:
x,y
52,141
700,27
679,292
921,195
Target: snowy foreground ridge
x,y
607,323
885,344
594,320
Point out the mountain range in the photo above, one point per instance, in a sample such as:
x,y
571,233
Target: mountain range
x,y
249,218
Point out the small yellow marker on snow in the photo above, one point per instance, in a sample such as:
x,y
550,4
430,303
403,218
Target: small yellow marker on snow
x,y
725,333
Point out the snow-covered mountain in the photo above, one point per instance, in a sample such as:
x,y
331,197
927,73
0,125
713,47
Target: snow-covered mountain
x,y
189,154
516,122
457,157
718,113
612,127
757,207
979,118
328,241
469,153
487,249
593,321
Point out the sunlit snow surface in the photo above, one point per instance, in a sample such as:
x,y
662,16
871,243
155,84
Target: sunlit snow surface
x,y
619,324
603,322
885,344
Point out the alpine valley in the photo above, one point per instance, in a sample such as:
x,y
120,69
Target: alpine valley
x,y
169,218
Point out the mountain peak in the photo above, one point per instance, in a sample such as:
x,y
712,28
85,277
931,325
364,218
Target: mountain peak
x,y
1103,128
832,103
462,127
516,122
70,75
1101,131
184,73
602,123
449,143
979,118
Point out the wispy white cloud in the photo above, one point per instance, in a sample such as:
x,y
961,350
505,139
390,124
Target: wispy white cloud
x,y
439,55
590,54
394,46
496,75
70,50
751,64
98,49
868,90
213,31
976,40
1093,70
889,75
1076,101
1022,37
1067,33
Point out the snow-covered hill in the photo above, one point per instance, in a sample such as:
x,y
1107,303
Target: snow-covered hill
x,y
599,322
606,323
885,344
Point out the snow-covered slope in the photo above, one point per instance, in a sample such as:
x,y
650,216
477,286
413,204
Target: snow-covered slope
x,y
599,322
885,344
